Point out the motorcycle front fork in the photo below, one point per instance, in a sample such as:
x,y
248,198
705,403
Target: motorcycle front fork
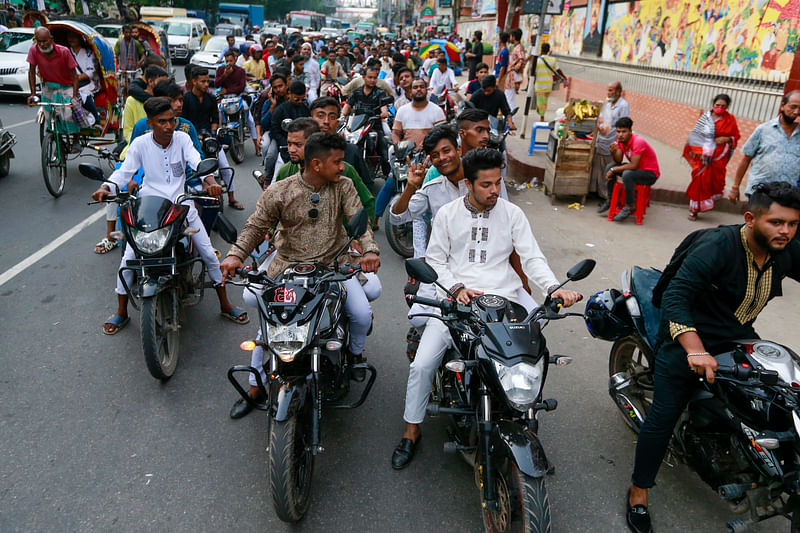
x,y
316,394
485,429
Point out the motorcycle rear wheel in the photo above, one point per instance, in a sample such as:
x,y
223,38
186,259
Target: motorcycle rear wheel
x,y
237,151
160,337
291,465
629,355
526,511
401,238
54,163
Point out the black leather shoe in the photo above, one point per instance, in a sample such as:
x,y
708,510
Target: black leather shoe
x,y
358,374
638,517
240,409
404,453
602,208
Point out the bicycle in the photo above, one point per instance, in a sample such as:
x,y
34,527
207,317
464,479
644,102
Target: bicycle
x,y
54,136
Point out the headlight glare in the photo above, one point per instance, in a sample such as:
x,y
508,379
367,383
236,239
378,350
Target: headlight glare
x,y
230,108
521,382
150,242
287,341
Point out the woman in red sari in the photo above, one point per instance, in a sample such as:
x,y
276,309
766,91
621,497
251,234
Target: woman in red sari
x,y
708,150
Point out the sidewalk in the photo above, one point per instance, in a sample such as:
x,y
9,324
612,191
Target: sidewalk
x,y
670,187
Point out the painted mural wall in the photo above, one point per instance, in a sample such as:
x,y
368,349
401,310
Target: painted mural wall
x,y
754,39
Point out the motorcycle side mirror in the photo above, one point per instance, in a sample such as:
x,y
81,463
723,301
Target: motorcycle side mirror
x,y
207,166
420,270
358,224
93,172
514,111
285,124
581,270
387,100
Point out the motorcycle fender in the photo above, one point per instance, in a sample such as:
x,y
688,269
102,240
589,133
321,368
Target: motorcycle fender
x,y
522,446
290,399
149,288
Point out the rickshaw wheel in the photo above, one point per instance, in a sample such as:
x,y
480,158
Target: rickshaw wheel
x,y
54,164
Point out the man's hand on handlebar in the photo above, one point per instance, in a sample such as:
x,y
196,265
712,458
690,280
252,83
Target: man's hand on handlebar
x,y
465,295
704,365
370,262
100,194
214,190
229,266
570,297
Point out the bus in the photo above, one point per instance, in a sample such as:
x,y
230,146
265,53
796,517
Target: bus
x,y
332,22
305,20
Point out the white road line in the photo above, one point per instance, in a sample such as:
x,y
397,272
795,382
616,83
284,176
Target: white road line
x,y
12,272
20,124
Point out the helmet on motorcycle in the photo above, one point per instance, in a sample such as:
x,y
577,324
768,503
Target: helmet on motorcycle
x,y
244,49
603,316
256,48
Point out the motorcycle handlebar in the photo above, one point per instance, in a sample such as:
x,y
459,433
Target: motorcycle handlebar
x,y
413,298
745,372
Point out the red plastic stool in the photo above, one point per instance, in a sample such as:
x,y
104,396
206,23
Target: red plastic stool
x,y
618,201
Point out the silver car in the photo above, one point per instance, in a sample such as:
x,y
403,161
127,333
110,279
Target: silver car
x,y
210,57
14,68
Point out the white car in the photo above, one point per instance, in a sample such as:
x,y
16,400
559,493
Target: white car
x,y
210,57
14,68
183,35
110,32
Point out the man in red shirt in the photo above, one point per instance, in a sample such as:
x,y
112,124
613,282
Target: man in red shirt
x,y
641,169
56,67
230,77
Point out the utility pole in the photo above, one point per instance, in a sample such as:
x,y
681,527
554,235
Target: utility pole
x,y
532,79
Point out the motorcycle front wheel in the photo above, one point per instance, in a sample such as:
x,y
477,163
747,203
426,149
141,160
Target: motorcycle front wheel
x,y
237,151
522,504
291,464
160,336
401,238
630,356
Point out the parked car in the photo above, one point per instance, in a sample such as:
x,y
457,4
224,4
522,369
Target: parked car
x,y
210,57
183,35
229,29
330,32
110,32
14,45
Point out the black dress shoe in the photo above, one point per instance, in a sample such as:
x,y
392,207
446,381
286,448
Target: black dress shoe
x,y
404,453
358,374
638,517
240,409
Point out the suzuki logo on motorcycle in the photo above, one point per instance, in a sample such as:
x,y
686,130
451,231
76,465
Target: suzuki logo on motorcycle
x,y
284,295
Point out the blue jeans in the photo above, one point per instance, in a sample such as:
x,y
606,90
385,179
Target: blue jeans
x,y
385,195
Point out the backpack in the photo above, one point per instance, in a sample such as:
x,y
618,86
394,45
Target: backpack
x,y
680,253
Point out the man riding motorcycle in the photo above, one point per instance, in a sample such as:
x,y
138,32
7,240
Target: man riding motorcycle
x,y
470,250
726,278
367,99
163,155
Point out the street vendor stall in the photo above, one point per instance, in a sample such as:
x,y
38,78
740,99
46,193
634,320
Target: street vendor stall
x,y
571,150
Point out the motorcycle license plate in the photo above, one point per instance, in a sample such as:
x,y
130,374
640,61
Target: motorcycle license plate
x,y
157,261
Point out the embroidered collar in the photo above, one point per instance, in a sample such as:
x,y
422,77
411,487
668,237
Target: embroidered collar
x,y
475,212
749,253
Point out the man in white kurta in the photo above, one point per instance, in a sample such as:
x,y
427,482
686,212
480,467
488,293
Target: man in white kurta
x,y
471,241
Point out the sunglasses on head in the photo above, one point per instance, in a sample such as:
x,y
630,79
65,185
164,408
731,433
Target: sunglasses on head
x,y
313,213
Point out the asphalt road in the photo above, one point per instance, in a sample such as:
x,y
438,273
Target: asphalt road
x,y
90,442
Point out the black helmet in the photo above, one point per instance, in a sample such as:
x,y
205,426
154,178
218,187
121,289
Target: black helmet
x,y
603,316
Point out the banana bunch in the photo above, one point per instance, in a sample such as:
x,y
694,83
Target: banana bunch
x,y
584,109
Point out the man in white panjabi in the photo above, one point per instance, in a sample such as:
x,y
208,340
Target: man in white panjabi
x,y
471,241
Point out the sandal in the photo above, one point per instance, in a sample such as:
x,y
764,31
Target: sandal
x,y
116,322
236,205
237,314
692,215
105,246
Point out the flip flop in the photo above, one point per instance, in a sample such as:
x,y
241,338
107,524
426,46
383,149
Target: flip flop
x,y
236,205
236,314
105,246
118,322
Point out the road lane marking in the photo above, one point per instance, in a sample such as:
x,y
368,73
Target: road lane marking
x,y
12,272
20,124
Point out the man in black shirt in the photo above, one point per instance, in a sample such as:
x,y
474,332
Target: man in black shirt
x,y
491,100
294,107
726,278
367,99
474,55
199,106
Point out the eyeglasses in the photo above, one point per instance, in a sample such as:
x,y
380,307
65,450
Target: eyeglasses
x,y
313,213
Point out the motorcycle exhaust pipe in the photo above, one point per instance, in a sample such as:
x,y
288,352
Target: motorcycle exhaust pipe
x,y
617,385
734,491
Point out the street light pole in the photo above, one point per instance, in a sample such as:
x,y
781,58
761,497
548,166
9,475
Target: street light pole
x,y
532,78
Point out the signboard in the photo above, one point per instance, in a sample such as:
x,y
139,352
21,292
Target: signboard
x,y
445,3
427,12
534,7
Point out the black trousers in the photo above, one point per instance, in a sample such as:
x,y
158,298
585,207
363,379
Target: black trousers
x,y
674,386
630,179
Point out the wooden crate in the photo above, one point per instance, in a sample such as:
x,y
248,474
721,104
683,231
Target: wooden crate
x,y
569,174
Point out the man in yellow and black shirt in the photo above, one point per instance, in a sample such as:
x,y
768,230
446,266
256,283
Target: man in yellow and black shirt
x,y
726,278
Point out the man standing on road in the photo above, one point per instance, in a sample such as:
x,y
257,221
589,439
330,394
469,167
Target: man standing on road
x,y
724,282
474,55
128,52
516,64
311,67
492,100
56,67
617,108
546,68
641,168
772,153
469,266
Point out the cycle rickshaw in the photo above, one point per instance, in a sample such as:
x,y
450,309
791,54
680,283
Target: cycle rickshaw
x,y
62,139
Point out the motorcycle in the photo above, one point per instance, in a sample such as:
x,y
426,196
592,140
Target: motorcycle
x,y
305,329
334,87
490,385
211,213
401,237
741,434
445,101
234,120
498,132
7,142
363,129
169,273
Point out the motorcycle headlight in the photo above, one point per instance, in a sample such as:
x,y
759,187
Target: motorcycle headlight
x,y
150,242
230,108
495,138
287,341
352,137
521,382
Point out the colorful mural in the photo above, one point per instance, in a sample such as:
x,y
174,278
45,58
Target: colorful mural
x,y
593,28
566,31
754,39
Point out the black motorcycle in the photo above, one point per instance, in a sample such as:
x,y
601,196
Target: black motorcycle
x,y
401,237
168,272
364,128
490,384
211,212
305,332
741,434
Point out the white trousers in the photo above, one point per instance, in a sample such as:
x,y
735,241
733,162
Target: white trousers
x,y
356,306
201,243
225,170
434,342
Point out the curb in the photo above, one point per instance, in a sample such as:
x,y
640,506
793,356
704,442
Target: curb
x,y
522,167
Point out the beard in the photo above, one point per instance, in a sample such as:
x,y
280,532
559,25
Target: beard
x,y
764,243
787,119
418,98
47,50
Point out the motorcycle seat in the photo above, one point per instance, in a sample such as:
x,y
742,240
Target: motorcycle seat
x,y
643,281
